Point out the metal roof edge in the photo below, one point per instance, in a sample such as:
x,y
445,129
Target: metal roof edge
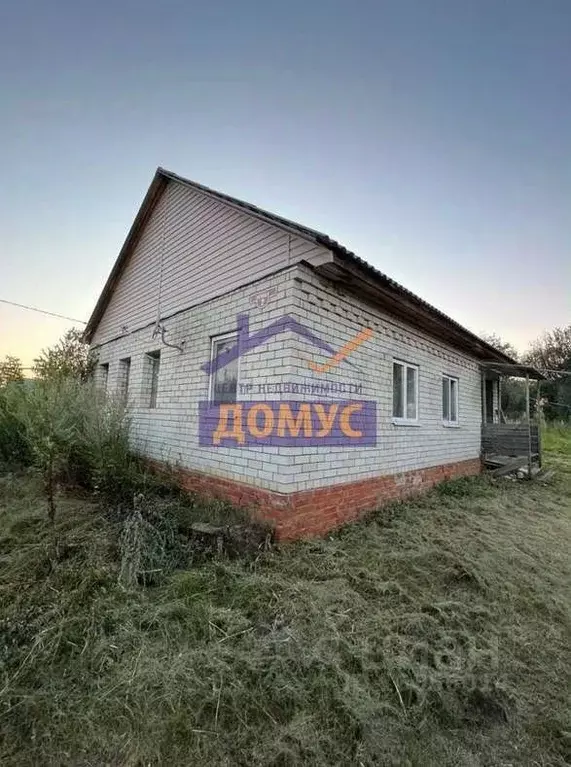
x,y
159,182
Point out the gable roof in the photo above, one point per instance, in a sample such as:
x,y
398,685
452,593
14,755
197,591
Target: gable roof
x,y
403,301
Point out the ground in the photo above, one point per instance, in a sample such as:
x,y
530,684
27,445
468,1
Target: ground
x,y
436,632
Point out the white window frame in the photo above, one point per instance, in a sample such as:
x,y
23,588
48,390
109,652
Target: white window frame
x,y
404,421
213,341
447,421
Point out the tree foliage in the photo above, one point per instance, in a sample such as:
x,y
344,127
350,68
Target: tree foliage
x,y
493,339
10,370
551,353
69,358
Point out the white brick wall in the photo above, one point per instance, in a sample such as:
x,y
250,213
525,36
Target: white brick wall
x,y
170,432
337,317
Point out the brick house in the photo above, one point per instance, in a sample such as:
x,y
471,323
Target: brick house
x,y
274,368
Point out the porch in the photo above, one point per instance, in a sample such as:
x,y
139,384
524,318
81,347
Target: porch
x,y
507,446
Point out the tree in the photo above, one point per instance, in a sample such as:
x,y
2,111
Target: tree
x,y
493,339
69,358
10,370
48,416
552,353
513,390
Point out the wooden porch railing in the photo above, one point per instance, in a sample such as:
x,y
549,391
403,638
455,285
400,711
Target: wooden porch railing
x,y
510,439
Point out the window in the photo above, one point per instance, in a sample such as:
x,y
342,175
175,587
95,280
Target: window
x,y
153,363
449,401
405,392
104,376
123,378
224,380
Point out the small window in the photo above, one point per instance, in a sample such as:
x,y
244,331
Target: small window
x,y
153,360
123,379
224,379
449,400
104,376
405,392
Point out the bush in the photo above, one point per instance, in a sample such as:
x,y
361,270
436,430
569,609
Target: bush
x,y
71,432
14,449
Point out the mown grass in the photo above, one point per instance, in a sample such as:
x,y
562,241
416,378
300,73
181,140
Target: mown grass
x,y
434,633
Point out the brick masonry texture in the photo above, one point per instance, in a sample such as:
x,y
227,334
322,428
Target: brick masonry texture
x,y
169,432
197,266
309,513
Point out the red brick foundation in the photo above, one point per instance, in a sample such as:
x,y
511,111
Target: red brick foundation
x,y
307,513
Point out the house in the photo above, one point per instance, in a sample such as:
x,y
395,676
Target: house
x,y
273,367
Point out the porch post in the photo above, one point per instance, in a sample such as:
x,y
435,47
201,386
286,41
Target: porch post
x,y
528,413
484,414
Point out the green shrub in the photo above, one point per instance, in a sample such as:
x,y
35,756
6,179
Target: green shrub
x,y
71,432
104,460
14,448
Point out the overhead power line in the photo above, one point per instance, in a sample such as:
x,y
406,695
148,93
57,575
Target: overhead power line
x,y
42,311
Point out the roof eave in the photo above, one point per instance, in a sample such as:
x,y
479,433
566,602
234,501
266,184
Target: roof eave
x,y
404,304
514,370
426,315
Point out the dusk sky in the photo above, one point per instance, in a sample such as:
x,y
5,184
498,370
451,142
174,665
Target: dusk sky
x,y
431,137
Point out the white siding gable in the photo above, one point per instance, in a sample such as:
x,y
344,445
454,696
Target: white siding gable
x,y
194,247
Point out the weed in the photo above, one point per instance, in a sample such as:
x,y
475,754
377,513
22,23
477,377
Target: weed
x,y
434,633
556,438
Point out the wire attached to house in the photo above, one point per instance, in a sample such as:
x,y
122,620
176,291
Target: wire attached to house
x,y
164,223
160,328
42,311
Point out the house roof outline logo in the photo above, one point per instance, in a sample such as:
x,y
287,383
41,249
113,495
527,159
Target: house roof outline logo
x,y
247,342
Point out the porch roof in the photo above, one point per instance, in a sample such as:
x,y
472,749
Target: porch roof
x,y
515,369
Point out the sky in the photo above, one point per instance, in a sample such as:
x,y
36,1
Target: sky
x,y
431,137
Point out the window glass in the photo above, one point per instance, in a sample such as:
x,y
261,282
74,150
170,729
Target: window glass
x,y
449,399
411,393
453,400
225,378
445,399
104,375
124,375
398,403
154,363
405,391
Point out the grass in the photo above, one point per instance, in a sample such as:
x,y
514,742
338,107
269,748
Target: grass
x,y
434,633
557,440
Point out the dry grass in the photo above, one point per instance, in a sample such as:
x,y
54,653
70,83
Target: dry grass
x,y
435,633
